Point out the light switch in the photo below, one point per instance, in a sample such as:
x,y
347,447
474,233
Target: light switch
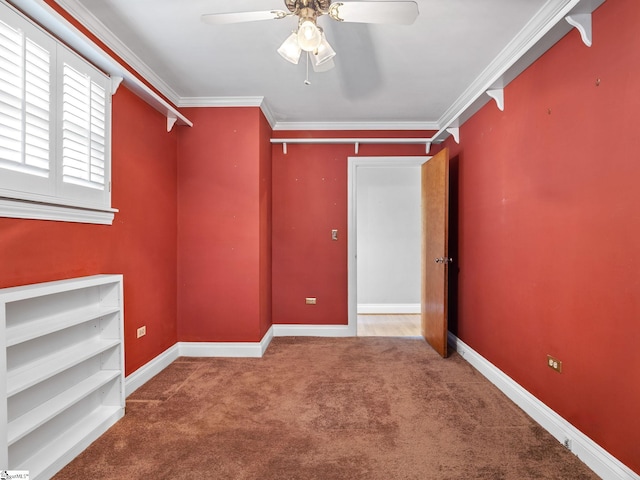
x,y
334,234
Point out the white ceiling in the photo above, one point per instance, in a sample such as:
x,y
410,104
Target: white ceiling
x,y
385,75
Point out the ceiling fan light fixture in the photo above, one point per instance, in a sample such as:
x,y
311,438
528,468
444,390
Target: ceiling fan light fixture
x,y
290,49
324,53
309,35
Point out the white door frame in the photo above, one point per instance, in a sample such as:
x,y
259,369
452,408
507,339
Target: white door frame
x,y
354,163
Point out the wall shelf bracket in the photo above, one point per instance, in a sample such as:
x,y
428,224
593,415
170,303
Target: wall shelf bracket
x,y
427,147
498,95
455,132
115,83
357,145
284,147
582,21
171,121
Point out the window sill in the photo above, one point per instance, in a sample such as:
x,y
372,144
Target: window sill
x,y
13,208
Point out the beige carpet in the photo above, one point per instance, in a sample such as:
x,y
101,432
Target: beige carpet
x,y
352,408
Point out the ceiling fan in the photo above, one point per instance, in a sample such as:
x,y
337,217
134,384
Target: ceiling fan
x,y
309,37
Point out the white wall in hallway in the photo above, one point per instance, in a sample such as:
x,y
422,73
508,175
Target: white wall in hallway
x,y
388,237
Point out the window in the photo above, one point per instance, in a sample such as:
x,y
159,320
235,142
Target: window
x,y
55,116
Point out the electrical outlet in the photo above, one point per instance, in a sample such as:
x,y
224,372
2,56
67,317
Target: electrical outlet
x,y
310,300
142,331
554,364
567,443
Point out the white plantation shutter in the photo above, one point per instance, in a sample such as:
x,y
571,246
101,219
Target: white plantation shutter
x,y
11,95
83,136
55,121
25,92
83,130
37,107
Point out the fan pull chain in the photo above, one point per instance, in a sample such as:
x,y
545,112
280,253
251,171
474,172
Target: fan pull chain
x,y
306,81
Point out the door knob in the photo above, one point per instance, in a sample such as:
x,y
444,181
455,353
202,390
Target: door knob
x,y
444,260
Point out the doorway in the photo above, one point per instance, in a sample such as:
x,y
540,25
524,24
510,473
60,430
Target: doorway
x,y
384,301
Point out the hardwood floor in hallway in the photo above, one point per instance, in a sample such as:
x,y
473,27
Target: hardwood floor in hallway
x,y
389,325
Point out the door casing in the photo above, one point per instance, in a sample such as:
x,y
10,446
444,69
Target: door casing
x,y
354,163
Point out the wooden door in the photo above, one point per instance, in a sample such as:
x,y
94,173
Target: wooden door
x,y
435,259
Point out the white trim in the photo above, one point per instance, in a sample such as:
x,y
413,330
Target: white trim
x,y
551,14
226,349
221,102
266,341
195,349
538,36
150,370
58,26
353,163
13,208
106,36
268,114
356,126
532,41
199,102
285,330
220,349
389,308
593,455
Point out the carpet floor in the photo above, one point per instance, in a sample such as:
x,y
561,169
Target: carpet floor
x,y
317,408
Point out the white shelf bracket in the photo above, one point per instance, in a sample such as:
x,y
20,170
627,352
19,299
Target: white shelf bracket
x,y
455,132
171,121
582,21
357,145
498,95
115,83
427,147
284,148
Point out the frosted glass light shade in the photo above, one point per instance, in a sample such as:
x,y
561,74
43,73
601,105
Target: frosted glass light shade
x,y
324,53
309,36
290,50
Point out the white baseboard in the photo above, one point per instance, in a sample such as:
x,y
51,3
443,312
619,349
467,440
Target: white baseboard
x,y
593,455
388,308
226,349
284,330
195,349
150,370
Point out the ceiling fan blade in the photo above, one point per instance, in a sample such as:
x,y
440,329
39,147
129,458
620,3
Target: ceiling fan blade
x,y
400,13
239,17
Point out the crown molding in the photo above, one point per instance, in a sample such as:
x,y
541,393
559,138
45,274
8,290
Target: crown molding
x,y
230,102
356,126
106,36
220,102
55,24
258,101
497,74
268,114
540,34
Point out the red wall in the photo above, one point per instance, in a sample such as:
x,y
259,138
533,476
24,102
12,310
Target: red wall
x,y
266,178
549,226
223,210
141,243
309,200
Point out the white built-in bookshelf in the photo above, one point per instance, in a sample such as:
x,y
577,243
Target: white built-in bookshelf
x,y
63,370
